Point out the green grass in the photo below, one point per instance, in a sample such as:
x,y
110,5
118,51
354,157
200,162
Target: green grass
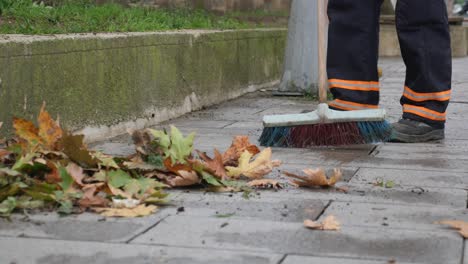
x,y
24,17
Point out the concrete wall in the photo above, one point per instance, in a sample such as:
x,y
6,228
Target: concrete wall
x,y
106,83
390,47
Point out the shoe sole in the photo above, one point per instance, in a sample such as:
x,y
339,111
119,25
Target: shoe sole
x,y
405,138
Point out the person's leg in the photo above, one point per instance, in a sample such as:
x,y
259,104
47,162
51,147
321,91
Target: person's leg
x,y
353,53
423,31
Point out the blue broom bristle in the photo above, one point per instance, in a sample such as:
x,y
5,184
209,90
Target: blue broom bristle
x,y
375,132
334,134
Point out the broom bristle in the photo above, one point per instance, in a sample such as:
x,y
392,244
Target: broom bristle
x,y
334,134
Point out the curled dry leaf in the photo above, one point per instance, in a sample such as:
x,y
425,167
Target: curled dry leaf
x,y
265,184
329,223
138,211
214,166
256,169
181,179
461,226
238,146
315,178
76,172
90,198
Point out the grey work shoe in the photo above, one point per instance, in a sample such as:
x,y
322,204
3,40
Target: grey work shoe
x,y
411,131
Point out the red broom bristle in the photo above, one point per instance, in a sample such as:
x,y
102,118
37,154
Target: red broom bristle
x,y
335,134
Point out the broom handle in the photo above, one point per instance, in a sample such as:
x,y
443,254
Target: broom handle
x,y
322,49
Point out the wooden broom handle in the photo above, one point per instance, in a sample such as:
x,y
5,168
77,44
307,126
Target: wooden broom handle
x,y
322,49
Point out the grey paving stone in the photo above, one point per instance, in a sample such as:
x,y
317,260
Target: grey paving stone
x,y
438,179
370,193
85,227
295,259
292,238
394,216
41,251
281,209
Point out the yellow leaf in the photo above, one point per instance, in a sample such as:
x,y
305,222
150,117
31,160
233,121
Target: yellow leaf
x,y
461,226
256,169
27,131
315,178
140,210
49,130
329,223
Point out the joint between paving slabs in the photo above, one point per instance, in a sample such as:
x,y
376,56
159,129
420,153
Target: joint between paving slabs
x,y
373,151
146,230
283,258
324,209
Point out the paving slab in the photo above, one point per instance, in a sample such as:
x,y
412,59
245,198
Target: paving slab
x,y
394,216
84,227
42,251
418,178
295,259
292,238
369,193
282,209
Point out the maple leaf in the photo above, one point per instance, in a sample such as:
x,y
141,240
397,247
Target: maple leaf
x,y
74,147
49,130
461,226
76,172
315,178
105,160
181,179
329,223
138,211
175,146
214,166
238,146
265,184
27,131
90,199
256,169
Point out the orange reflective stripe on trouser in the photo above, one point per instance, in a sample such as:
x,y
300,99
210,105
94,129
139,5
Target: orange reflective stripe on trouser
x,y
349,106
421,97
424,112
366,86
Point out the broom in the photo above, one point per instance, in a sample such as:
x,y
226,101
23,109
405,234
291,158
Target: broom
x,y
325,127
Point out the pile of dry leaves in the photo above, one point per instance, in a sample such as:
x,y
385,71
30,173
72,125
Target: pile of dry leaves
x,y
45,167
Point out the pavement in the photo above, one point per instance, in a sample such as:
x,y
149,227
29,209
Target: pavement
x,y
379,225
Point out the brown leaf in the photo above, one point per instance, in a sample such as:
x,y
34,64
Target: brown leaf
x,y
76,172
265,184
90,199
27,131
329,223
141,210
49,130
461,226
238,146
175,168
214,166
256,169
315,178
74,147
53,176
181,179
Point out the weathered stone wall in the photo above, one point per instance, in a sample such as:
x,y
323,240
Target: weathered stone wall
x,y
213,5
106,83
389,45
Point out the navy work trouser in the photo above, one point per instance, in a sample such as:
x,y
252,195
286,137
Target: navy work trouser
x,y
423,31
